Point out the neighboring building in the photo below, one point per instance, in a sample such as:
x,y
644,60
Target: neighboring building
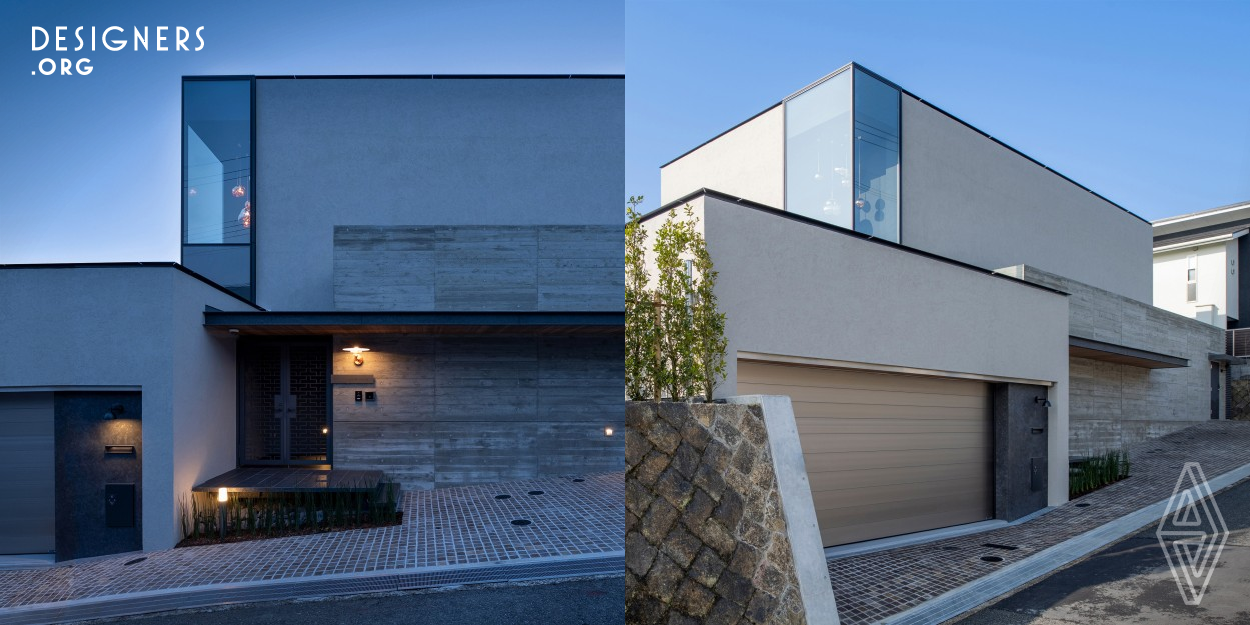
x,y
464,230
1195,264
951,318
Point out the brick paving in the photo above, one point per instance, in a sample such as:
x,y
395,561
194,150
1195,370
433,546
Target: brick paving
x,y
441,527
872,586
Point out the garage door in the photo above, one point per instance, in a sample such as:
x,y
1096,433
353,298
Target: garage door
x,y
26,464
886,454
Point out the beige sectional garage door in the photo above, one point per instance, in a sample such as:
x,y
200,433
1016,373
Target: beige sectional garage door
x,y
26,462
886,454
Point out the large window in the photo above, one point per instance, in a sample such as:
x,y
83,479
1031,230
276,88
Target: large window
x,y
843,154
218,206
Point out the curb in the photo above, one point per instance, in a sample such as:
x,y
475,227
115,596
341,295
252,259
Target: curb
x,y
161,600
956,602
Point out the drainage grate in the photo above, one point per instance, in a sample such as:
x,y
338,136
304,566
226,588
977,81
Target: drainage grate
x,y
998,546
1082,505
503,496
950,548
991,558
135,561
520,521
578,479
535,492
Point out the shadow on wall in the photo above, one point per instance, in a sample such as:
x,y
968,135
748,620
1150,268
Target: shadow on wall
x,y
99,450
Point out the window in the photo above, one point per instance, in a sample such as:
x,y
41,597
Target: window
x,y
218,211
1191,279
843,148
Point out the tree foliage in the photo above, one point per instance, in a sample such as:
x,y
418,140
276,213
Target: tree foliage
x,y
675,337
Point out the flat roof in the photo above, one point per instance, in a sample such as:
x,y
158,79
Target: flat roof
x,y
1202,213
409,76
266,323
1120,354
919,99
135,264
732,199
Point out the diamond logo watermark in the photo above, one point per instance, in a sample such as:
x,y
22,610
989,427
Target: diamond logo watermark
x,y
1192,533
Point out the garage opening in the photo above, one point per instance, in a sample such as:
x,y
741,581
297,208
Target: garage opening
x,y
27,462
886,453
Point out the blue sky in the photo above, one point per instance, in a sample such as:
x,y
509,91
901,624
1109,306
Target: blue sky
x,y
91,163
1146,103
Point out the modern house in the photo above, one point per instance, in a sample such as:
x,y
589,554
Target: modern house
x,y
1195,264
417,275
952,319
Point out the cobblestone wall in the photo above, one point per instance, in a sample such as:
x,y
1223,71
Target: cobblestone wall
x,y
705,536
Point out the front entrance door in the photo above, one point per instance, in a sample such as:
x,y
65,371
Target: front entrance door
x,y
284,402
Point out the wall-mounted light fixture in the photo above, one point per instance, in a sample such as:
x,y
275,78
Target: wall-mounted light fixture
x,y
1043,401
607,431
325,430
114,411
357,354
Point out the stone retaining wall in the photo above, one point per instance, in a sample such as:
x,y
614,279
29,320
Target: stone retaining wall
x,y
705,533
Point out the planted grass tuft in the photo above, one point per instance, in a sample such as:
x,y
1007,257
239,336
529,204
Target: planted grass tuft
x,y
252,516
1097,471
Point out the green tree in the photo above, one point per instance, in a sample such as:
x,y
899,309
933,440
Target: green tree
x,y
708,323
674,336
641,332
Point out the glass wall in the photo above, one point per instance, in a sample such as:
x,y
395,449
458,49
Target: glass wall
x,y
876,157
842,154
818,152
217,199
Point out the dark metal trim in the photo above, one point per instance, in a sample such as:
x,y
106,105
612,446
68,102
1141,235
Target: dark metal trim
x,y
1226,359
1131,352
725,197
930,105
415,318
445,77
131,265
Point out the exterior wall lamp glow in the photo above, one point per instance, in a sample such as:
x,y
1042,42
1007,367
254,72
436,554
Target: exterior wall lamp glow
x,y
607,431
357,354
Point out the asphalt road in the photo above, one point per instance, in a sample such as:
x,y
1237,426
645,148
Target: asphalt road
x,y
578,602
1130,582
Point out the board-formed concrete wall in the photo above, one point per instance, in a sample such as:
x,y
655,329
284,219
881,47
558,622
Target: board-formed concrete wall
x,y
717,529
1113,405
491,268
455,410
400,151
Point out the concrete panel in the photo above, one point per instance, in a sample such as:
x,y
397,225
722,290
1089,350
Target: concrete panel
x,y
747,162
969,198
468,410
1106,397
391,152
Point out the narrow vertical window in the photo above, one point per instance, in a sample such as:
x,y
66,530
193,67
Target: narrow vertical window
x,y
1191,279
218,204
876,157
818,152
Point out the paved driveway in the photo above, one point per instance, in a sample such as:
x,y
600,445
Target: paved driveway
x,y
1129,582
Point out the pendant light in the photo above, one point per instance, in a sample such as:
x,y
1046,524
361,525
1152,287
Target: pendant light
x,y
245,215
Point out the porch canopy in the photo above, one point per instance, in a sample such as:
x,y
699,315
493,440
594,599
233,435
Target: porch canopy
x,y
1120,354
279,323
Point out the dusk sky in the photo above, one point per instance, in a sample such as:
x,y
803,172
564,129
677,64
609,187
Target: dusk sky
x,y
91,163
1145,103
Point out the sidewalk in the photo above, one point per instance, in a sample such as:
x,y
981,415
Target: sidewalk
x,y
450,535
872,587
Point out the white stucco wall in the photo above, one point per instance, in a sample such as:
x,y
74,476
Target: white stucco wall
x,y
139,328
964,197
969,198
799,290
1216,282
390,152
747,162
